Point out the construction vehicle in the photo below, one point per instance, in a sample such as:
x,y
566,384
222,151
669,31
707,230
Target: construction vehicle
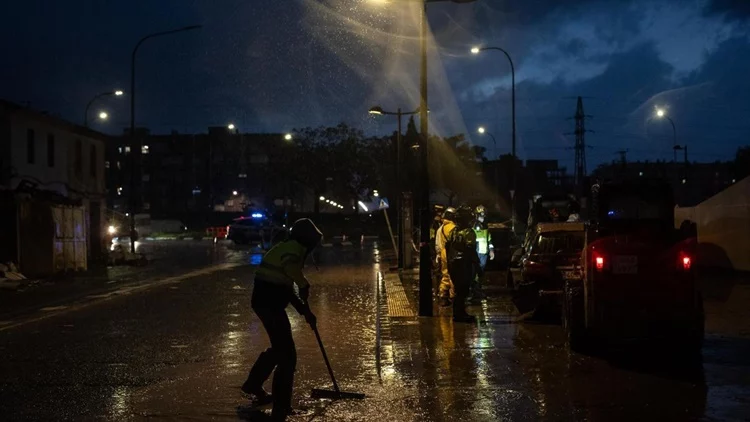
x,y
638,272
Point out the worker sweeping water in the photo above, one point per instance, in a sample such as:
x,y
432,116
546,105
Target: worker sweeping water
x,y
277,281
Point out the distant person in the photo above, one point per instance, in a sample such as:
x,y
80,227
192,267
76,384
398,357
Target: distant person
x,y
437,221
463,261
446,290
484,250
278,274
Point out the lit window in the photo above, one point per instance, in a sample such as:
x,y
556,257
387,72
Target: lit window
x,y
640,173
119,150
119,166
127,150
144,149
106,164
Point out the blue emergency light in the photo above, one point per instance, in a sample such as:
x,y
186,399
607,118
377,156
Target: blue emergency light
x,y
256,215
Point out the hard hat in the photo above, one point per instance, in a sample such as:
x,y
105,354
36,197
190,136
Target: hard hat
x,y
480,210
306,233
449,214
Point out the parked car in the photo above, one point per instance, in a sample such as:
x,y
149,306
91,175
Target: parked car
x,y
554,256
255,230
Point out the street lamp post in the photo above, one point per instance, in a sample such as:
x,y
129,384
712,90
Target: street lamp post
x,y
477,50
425,262
399,182
483,131
662,114
96,97
133,150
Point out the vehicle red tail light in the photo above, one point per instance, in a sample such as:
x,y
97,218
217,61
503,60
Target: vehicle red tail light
x,y
686,262
599,262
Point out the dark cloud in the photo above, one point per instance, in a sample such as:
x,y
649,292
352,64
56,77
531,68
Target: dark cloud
x,y
730,9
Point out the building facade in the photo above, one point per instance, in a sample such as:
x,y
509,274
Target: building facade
x,y
48,162
186,176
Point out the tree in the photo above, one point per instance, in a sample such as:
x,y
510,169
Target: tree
x,y
339,161
454,166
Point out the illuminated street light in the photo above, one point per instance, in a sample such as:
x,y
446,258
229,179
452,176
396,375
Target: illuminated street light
x,y
116,93
377,110
235,193
363,206
103,115
661,113
231,126
288,137
481,129
322,198
476,51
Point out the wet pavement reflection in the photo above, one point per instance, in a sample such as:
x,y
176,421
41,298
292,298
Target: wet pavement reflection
x,y
181,351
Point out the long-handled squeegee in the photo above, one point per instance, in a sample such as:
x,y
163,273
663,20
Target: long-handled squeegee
x,y
334,394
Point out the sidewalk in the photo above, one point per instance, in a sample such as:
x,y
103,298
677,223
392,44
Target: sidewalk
x,y
497,306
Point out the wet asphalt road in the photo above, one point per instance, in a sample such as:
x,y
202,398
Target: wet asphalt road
x,y
180,348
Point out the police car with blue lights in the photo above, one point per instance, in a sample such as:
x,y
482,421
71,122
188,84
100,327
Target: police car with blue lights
x,y
256,230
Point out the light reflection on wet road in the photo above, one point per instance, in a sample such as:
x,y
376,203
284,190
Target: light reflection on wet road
x,y
181,352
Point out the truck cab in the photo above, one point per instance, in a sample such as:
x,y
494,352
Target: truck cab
x,y
638,271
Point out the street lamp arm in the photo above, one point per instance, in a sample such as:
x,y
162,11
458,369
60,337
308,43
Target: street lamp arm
x,y
159,34
674,129
494,142
88,106
512,67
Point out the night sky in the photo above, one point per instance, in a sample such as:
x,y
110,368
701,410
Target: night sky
x,y
275,65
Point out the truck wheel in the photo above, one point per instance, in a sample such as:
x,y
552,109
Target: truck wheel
x,y
573,317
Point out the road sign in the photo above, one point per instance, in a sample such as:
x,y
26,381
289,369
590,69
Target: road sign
x,y
383,204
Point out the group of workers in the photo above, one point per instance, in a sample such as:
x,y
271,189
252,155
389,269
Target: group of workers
x,y
462,247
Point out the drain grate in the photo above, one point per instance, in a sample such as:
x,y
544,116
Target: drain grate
x,y
398,304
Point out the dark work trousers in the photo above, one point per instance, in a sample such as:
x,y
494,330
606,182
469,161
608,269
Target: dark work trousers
x,y
269,303
462,275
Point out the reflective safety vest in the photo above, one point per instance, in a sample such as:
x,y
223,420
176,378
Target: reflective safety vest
x,y
282,265
483,239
